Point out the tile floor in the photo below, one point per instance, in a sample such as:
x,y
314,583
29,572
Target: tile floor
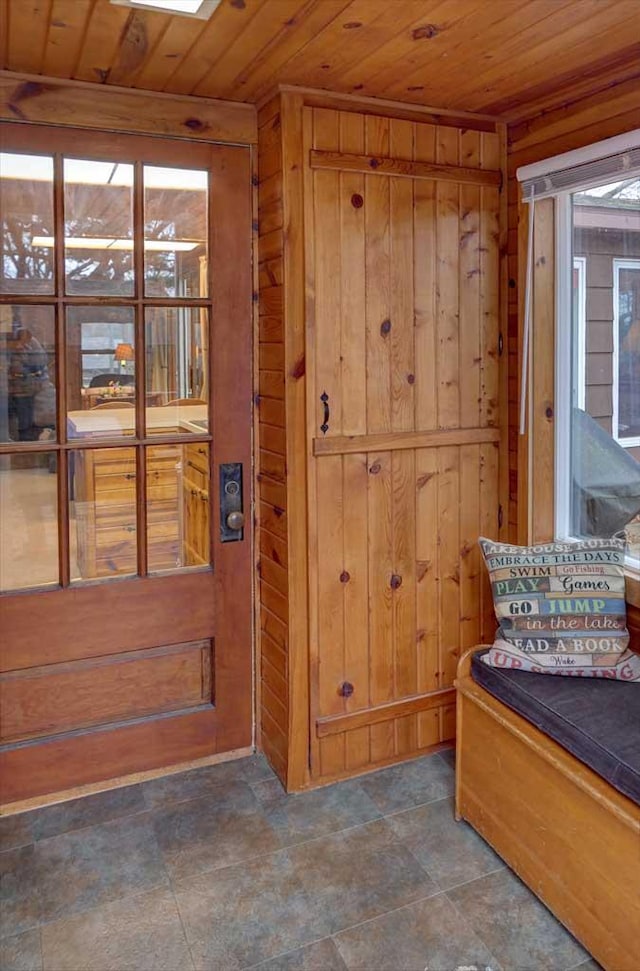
x,y
218,869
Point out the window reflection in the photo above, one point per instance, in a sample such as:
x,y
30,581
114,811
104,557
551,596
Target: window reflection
x,y
100,371
28,521
26,203
98,227
177,348
177,506
27,374
102,512
175,230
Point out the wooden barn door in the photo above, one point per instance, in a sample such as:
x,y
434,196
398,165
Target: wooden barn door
x,y
403,425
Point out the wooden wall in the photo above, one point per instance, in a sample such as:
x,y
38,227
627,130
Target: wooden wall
x,y
578,123
380,283
273,693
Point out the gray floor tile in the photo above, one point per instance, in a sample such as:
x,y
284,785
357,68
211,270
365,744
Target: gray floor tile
x,y
244,914
409,784
310,814
19,898
206,833
321,956
451,852
360,873
88,811
514,925
448,755
197,783
90,867
255,768
589,965
21,952
141,933
268,791
428,934
15,831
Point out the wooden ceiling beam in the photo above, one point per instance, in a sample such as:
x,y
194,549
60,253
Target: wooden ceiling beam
x,y
54,101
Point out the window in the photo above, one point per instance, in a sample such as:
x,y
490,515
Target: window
x,y
626,352
591,345
601,476
104,362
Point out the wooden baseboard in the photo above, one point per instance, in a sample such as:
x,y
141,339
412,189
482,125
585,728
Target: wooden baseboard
x,y
51,799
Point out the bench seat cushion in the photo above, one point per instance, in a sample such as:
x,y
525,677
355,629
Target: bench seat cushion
x,y
597,721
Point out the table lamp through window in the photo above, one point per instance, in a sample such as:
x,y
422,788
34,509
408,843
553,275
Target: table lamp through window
x,y
124,353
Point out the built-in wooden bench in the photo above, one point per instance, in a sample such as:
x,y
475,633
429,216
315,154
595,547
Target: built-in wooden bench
x,y
570,835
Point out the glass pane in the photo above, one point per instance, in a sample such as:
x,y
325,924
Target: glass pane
x,y
100,371
177,370
28,521
606,362
27,374
98,227
628,364
26,203
102,512
175,231
195,504
164,515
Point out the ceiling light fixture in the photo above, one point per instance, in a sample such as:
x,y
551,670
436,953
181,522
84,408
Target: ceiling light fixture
x,y
185,8
95,242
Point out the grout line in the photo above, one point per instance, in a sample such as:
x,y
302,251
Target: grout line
x,y
184,931
464,883
289,950
476,933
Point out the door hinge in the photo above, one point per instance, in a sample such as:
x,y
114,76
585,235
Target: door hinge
x,y
500,344
500,516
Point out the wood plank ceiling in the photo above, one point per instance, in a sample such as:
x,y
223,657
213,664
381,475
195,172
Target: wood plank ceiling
x,y
508,57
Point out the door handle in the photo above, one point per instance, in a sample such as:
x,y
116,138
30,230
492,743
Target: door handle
x,y
231,511
235,520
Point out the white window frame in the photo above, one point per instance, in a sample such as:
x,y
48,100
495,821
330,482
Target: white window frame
x,y
579,370
628,441
566,350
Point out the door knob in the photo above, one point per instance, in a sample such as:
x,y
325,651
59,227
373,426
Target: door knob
x,y
235,520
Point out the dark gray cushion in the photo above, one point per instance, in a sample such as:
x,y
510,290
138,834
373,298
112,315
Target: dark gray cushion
x,y
597,721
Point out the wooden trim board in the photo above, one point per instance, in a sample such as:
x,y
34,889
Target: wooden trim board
x,y
335,724
403,168
391,441
51,101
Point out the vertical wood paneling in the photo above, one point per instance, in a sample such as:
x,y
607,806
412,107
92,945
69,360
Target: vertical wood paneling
x,y
402,305
471,351
272,496
380,547
447,284
424,285
489,286
378,309
356,600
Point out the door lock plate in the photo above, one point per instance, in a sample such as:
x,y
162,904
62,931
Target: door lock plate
x,y
231,514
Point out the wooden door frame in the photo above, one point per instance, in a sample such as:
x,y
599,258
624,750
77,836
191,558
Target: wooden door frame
x,y
50,763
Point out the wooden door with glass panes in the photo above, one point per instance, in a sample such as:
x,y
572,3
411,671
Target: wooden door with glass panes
x,y
125,401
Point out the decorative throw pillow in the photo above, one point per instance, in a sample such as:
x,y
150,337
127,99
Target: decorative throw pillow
x,y
561,609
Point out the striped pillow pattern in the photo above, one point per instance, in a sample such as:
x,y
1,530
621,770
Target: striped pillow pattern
x,y
561,609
